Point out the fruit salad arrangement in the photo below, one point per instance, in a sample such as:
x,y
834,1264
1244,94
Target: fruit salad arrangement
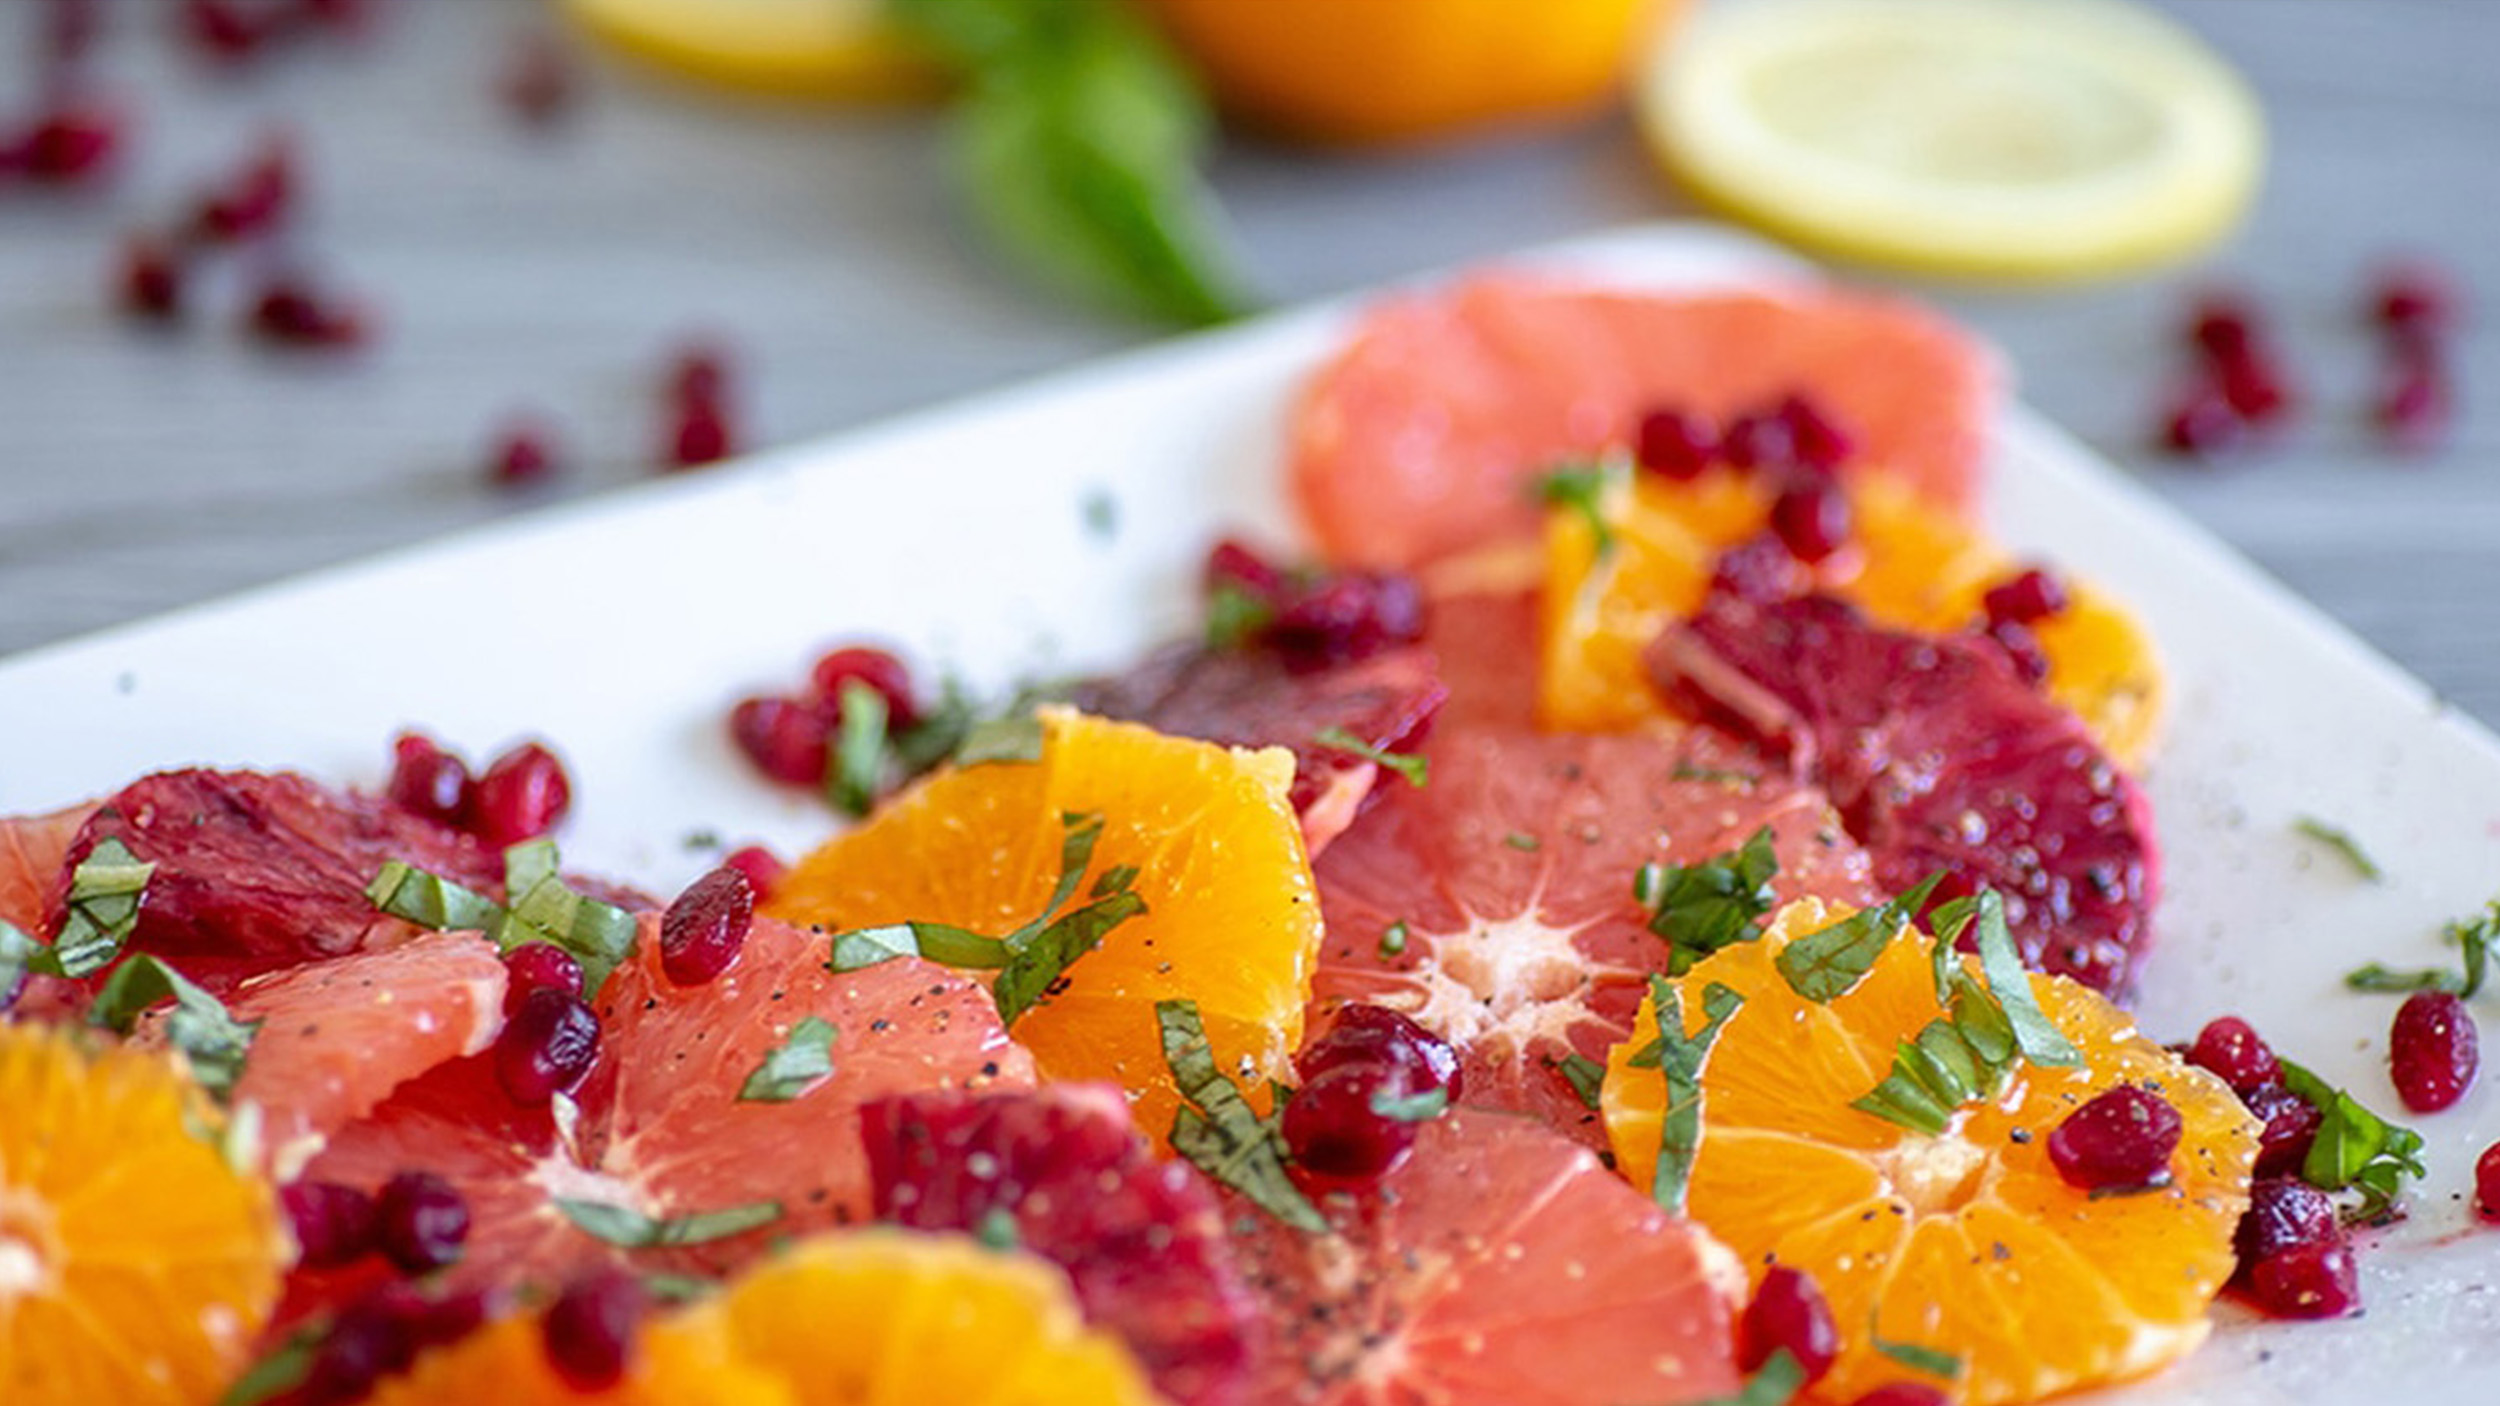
x,y
1639,909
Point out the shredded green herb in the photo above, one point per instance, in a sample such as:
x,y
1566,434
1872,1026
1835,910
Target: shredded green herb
x,y
1235,616
1934,1362
1679,1057
199,1025
2474,938
1586,1076
1218,1132
539,907
1775,1383
1416,770
1828,961
630,1229
1411,1108
1581,487
2355,1148
104,895
2341,841
1393,939
1521,840
793,1067
1719,902
997,1229
1990,1025
855,765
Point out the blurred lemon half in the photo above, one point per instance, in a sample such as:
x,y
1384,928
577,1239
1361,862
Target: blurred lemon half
x,y
2016,139
830,48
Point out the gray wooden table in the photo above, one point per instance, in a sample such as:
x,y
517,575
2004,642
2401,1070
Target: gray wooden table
x,y
552,269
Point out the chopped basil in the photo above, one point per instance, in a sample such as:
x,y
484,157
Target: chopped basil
x,y
1119,878
630,1229
1680,1057
1522,840
1775,1383
2342,842
1586,1076
1045,956
855,766
1015,737
1716,775
2355,1148
997,1229
1393,939
1216,1130
1417,770
279,1373
539,907
678,1288
199,1025
1235,616
430,901
1411,1108
1989,1026
940,729
20,953
794,1066
1934,1362
942,943
2473,936
2037,1036
104,894
1700,908
1581,487
1828,961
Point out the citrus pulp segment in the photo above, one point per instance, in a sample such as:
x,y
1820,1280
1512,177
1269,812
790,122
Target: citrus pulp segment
x,y
2056,138
1967,1242
830,48
682,1358
1231,919
136,1264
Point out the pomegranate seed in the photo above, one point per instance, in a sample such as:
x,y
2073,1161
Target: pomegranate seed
x,y
2031,596
2222,326
523,456
699,435
588,1332
2284,1212
2487,1182
2201,422
698,372
1675,443
2230,1049
1811,519
547,1047
875,668
1760,569
538,966
368,1340
2414,299
255,199
523,795
763,868
420,1221
1347,617
437,1322
2022,647
537,84
71,143
703,931
290,313
1788,1313
2122,1138
333,1224
430,782
2433,1050
785,738
2291,1125
2306,1281
1332,1128
1758,442
1904,1394
1378,1035
224,31
2254,390
2414,405
1816,441
1234,564
147,282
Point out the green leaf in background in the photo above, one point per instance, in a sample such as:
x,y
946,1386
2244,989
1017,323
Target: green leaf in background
x,y
1077,141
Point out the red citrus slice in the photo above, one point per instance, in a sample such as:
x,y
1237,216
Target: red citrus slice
x,y
32,850
1422,437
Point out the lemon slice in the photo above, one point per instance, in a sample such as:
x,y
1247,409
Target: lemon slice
x,y
2025,139
833,48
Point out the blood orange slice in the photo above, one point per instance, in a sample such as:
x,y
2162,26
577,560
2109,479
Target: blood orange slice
x,y
1500,1263
1495,905
33,849
1422,437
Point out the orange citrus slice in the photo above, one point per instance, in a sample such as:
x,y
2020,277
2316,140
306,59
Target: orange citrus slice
x,y
1911,566
1966,1242
831,48
1231,919
136,1264
688,1356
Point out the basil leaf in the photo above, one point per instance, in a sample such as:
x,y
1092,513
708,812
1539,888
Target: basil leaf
x,y
2473,937
2009,981
598,936
1217,1132
1934,1362
1015,736
2387,980
1679,1058
1393,940
855,767
1412,1108
1823,964
1046,956
1775,1383
199,1025
939,730
1581,487
2342,842
1235,616
798,1064
630,1229
1586,1076
283,1370
1417,770
104,895
2354,1146
405,891
1702,908
997,1229
20,953
1901,1098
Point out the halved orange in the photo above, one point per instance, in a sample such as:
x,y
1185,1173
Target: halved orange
x,y
136,1264
1967,1242
1231,918
1910,565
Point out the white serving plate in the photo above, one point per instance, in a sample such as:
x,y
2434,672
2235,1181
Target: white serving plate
x,y
974,536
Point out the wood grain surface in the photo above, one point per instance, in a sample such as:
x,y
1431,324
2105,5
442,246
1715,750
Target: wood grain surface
x,y
552,270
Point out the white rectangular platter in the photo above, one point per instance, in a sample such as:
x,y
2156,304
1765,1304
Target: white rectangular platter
x,y
1062,524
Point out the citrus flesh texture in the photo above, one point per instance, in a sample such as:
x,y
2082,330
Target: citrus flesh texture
x,y
1495,905
1424,436
136,1264
1967,1242
2057,139
1231,918
1907,565
827,48
1499,1263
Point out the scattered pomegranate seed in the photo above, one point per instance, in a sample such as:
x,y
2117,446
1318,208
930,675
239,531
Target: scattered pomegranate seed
x,y
1788,1313
2201,422
2433,1050
703,931
523,455
430,782
2231,1050
1904,1394
2306,1281
589,1330
1349,616
1332,1128
71,143
1366,1034
2031,662
699,434
2222,326
368,1340
787,739
2487,1182
289,312
224,31
1815,440
2415,404
1675,443
2121,1138
253,200
2032,595
2253,390
2291,1125
875,668
538,966
333,1224
2415,299
698,372
1811,518
537,84
1759,441
1231,563
148,280
547,1047
420,1221
763,868
2284,1213
523,794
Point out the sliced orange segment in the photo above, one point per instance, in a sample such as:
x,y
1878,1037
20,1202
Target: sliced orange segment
x,y
1909,566
1231,918
136,1265
688,1356
1967,1242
